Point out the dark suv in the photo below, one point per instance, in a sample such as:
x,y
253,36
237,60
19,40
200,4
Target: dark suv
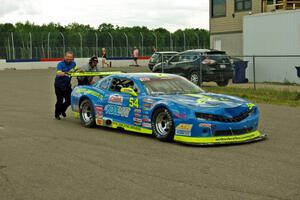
x,y
216,66
158,57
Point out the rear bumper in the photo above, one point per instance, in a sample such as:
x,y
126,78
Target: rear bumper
x,y
219,76
249,137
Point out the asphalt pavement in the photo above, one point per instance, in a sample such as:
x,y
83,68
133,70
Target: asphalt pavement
x,y
43,158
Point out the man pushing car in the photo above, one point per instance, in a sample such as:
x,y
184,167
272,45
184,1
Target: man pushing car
x,y
62,84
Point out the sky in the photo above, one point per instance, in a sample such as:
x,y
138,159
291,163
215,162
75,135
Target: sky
x,y
169,14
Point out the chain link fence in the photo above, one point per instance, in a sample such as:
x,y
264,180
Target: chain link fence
x,y
23,45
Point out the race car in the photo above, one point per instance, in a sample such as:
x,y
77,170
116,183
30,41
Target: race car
x,y
168,106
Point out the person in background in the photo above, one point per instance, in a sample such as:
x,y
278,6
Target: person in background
x,y
135,56
92,66
62,84
154,49
104,57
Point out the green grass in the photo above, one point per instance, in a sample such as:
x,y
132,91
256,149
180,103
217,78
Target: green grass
x,y
261,95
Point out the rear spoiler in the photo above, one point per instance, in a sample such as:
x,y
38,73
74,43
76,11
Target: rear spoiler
x,y
77,74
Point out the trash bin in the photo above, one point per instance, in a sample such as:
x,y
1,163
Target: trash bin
x,y
298,70
240,71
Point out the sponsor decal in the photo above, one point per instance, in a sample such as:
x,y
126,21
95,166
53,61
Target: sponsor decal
x,y
99,114
116,110
145,79
147,105
147,100
91,92
147,125
146,119
146,112
99,122
203,125
184,129
146,108
117,124
138,123
180,115
137,119
115,99
137,115
137,110
99,108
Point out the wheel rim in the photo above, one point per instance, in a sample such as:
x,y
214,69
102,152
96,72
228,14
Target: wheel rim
x,y
86,113
194,78
163,123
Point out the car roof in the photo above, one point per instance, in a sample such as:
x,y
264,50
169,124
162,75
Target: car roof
x,y
205,51
137,76
166,52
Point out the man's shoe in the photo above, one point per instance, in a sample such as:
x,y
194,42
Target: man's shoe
x,y
57,117
64,114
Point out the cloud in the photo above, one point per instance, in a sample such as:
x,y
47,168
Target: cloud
x,y
17,7
170,14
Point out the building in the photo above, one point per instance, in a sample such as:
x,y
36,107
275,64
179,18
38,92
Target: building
x,y
275,37
226,20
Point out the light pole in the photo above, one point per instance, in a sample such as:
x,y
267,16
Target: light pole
x,y
198,40
13,46
112,44
81,52
49,44
30,44
127,48
64,44
155,36
96,35
142,43
184,40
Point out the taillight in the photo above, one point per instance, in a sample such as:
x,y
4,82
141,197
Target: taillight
x,y
208,61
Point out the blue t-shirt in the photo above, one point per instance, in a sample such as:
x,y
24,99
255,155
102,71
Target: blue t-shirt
x,y
64,81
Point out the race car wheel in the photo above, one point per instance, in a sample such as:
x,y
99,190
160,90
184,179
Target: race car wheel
x,y
194,78
163,125
223,83
87,114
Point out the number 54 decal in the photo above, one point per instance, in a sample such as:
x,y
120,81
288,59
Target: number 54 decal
x,y
133,102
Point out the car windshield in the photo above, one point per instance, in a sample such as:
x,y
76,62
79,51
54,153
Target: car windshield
x,y
170,85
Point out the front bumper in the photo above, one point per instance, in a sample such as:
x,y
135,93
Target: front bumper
x,y
249,137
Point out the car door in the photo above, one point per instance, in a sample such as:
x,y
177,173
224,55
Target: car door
x,y
184,63
170,65
122,107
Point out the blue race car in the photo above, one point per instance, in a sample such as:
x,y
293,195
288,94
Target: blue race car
x,y
168,106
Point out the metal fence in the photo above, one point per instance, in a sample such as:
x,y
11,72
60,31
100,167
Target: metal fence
x,y
54,45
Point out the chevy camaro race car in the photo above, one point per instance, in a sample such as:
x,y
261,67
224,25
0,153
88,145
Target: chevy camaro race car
x,y
168,106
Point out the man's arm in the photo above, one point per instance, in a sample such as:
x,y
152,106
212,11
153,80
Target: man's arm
x,y
59,71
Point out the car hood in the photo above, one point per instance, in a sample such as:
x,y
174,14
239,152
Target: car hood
x,y
211,103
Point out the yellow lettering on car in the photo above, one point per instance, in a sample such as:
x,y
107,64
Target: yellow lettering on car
x,y
250,105
133,102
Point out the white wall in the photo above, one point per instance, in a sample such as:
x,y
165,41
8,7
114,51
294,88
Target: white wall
x,y
232,43
276,33
79,61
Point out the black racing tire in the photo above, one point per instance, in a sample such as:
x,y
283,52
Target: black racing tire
x,y
163,125
87,114
223,83
194,77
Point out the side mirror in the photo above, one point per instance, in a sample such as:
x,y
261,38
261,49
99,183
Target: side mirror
x,y
129,91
